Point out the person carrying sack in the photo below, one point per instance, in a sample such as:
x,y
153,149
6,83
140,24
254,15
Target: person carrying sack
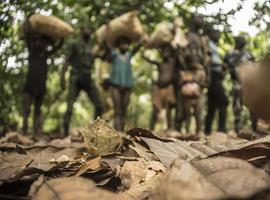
x,y
81,59
121,78
35,85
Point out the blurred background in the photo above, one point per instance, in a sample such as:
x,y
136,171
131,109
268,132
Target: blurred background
x,y
250,17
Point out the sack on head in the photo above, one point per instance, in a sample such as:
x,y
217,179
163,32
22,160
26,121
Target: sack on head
x,y
48,25
127,25
163,34
168,33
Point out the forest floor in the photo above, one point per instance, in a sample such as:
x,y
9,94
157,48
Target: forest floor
x,y
97,162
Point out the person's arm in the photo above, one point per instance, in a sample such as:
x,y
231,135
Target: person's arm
x,y
138,46
150,61
108,52
135,49
180,58
230,62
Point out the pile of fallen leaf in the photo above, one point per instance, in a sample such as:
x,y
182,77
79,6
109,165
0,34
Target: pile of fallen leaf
x,y
101,163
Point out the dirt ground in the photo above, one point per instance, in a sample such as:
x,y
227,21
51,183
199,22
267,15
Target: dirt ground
x,y
97,162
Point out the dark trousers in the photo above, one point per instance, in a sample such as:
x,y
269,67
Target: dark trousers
x,y
85,83
237,108
217,101
178,107
237,111
28,100
120,97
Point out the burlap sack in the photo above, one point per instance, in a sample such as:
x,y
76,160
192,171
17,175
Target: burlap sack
x,y
127,25
169,33
48,25
163,34
255,87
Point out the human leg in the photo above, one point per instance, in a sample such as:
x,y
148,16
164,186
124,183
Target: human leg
x,y
72,96
126,97
117,102
94,96
211,109
37,114
26,107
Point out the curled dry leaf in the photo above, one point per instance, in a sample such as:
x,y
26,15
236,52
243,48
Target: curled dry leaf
x,y
92,164
13,165
145,189
62,158
183,182
100,138
36,185
132,173
74,188
211,178
14,137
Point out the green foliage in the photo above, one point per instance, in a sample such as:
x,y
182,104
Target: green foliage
x,y
13,53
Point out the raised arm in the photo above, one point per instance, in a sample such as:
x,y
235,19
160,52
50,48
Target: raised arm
x,y
136,49
150,61
138,46
108,52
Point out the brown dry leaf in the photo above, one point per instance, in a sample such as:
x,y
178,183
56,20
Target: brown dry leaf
x,y
21,162
141,132
170,134
133,172
257,154
43,155
141,177
167,152
14,137
13,165
183,182
101,139
211,178
145,189
65,143
227,140
74,188
143,152
156,166
93,164
153,169
36,185
112,161
236,177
